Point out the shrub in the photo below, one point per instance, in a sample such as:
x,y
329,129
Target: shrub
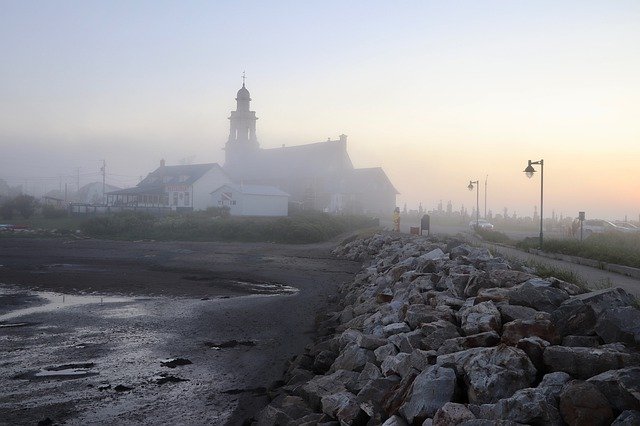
x,y
51,212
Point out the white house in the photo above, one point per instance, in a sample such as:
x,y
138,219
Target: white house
x,y
186,187
251,200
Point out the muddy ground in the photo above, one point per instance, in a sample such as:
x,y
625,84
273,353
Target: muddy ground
x,y
85,326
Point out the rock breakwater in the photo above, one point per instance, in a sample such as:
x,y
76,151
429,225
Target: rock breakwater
x,y
438,332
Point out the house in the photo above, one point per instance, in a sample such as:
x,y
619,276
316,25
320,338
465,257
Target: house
x,y
184,187
251,200
317,176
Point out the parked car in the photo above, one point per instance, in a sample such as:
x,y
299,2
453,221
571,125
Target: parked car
x,y
482,224
599,226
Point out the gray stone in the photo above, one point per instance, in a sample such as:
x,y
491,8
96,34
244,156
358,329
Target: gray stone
x,y
582,403
395,421
513,312
528,406
384,351
620,387
581,341
582,363
320,386
539,297
368,341
419,314
283,410
431,389
495,295
627,418
395,328
407,342
323,361
620,325
436,333
399,364
516,330
486,339
368,373
344,407
372,393
603,300
480,318
352,358
452,413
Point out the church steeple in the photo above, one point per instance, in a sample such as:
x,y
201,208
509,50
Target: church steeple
x,y
242,140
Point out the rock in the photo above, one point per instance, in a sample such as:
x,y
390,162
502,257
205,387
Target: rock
x,y
486,339
298,375
399,364
436,333
452,413
534,348
323,361
582,403
397,395
493,373
418,314
620,325
603,300
407,342
528,406
582,341
582,363
551,384
537,296
628,417
283,410
352,358
368,341
496,295
569,288
516,330
122,388
431,389
395,421
320,386
384,351
513,312
395,328
369,372
175,362
480,318
620,387
372,393
344,407
573,317
347,338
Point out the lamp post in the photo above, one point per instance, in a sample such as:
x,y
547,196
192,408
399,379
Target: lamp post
x,y
470,187
529,171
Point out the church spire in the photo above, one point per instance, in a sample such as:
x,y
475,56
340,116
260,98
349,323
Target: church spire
x,y
242,128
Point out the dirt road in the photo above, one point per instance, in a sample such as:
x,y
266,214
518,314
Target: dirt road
x,y
234,313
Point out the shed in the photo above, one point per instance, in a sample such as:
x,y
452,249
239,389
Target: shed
x,y
252,200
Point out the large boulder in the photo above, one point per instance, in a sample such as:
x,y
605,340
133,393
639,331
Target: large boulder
x,y
514,331
513,312
320,386
528,406
620,325
283,410
480,318
620,387
373,392
582,363
627,418
582,403
537,294
352,358
435,333
344,406
431,389
486,339
452,413
491,374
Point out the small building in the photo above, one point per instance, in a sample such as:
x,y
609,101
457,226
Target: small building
x,y
185,187
251,200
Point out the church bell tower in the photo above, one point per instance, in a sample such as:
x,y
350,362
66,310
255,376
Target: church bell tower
x,y
242,142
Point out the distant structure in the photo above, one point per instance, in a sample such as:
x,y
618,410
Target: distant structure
x,y
318,176
264,182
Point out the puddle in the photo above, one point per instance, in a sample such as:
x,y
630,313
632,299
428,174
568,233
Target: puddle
x,y
54,301
244,286
174,362
14,324
66,371
163,378
229,344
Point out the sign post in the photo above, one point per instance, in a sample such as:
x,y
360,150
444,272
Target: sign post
x,y
581,219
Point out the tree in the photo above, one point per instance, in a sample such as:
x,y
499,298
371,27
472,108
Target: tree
x,y
25,204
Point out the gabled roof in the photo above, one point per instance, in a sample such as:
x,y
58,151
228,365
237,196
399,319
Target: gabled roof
x,y
172,175
254,190
362,180
320,159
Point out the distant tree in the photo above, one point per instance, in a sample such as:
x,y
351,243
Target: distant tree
x,y
6,209
25,205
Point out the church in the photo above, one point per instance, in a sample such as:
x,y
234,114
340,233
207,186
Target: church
x,y
318,176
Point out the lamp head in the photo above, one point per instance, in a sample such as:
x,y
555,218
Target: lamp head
x,y
470,187
529,171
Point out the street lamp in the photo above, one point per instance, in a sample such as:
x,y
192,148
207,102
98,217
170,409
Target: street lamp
x,y
470,187
529,171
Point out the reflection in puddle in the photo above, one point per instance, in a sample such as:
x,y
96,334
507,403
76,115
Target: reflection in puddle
x,y
67,371
55,301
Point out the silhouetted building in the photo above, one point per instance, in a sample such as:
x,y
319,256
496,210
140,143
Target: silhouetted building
x,y
317,176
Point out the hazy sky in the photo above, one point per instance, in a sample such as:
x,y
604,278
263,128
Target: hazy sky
x,y
437,93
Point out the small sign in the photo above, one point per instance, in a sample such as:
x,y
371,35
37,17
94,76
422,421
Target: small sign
x,y
581,216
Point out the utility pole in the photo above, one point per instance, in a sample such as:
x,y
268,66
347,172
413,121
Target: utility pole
x,y
78,179
485,196
103,169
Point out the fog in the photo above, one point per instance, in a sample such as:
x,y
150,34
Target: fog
x,y
437,94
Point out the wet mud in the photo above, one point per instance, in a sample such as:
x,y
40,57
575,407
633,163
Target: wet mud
x,y
103,332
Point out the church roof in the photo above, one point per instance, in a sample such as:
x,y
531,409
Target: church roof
x,y
320,159
368,179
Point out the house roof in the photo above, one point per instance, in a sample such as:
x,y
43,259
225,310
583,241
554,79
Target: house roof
x,y
255,190
363,180
172,175
140,190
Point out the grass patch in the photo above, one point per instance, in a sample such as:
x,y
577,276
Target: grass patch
x,y
307,227
621,249
546,271
494,236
